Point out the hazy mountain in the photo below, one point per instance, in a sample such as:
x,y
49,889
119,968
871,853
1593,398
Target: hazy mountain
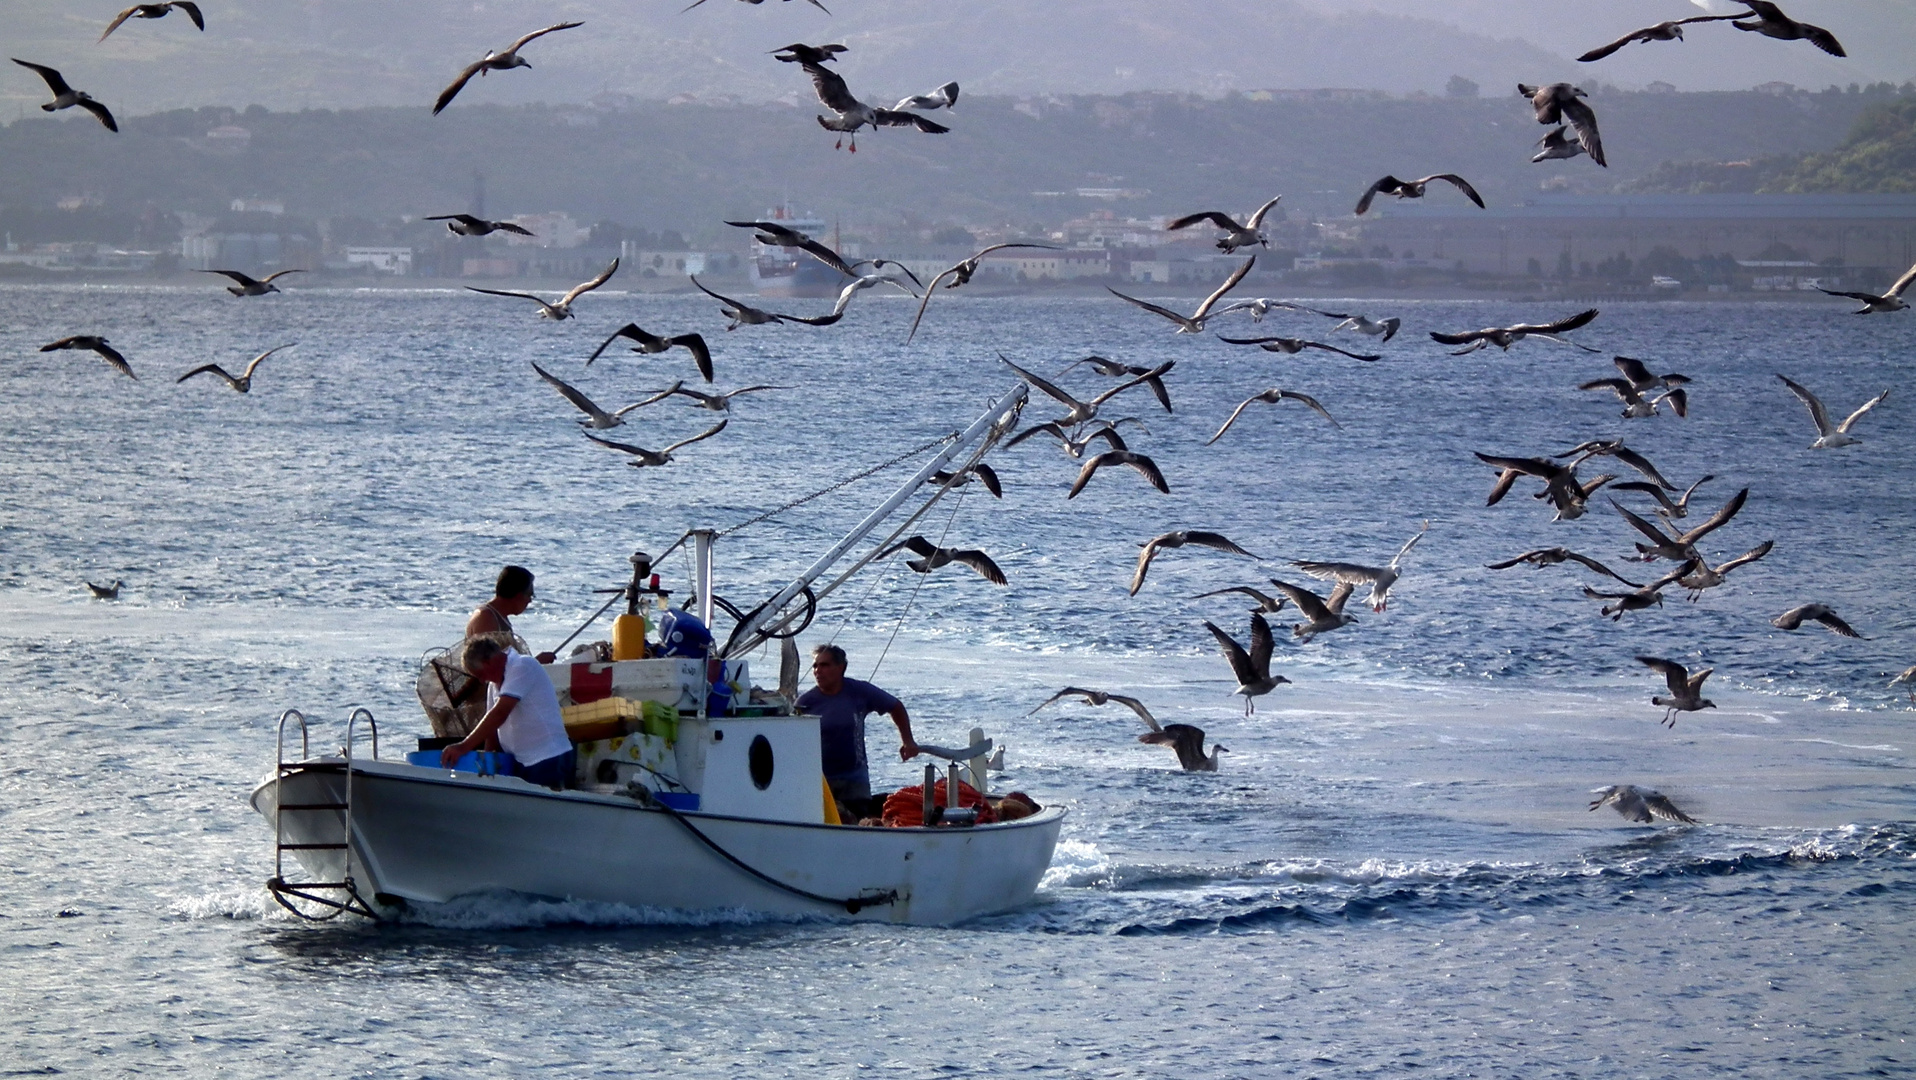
x,y
352,53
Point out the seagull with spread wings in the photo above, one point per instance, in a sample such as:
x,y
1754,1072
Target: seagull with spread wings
x,y
1638,804
1144,465
1769,20
66,97
642,457
743,314
562,307
494,61
1669,30
1559,103
156,11
1235,235
720,402
250,286
1274,396
595,417
774,234
1379,578
468,225
850,114
653,344
1505,336
800,53
1640,598
1114,370
95,344
1890,300
1555,145
244,383
945,97
1705,576
931,557
1681,547
1083,411
1414,189
1543,557
1820,613
1322,614
1193,323
960,273
1101,698
1686,690
1178,539
1830,435
1292,346
1252,667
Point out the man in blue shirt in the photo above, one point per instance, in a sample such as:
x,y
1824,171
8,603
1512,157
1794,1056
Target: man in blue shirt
x,y
841,705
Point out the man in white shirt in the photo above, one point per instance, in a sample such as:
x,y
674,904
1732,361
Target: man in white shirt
x,y
522,715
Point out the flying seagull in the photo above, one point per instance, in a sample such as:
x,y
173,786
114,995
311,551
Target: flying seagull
x,y
1187,742
1379,578
651,344
1638,804
596,418
1555,145
1101,698
945,97
716,402
1706,576
982,472
1074,445
105,592
1178,539
1194,324
1235,235
1253,667
1414,189
1643,597
94,343
1769,20
961,275
1672,30
1561,486
931,557
1892,300
814,3
1635,405
1113,369
849,114
1264,601
773,234
243,384
1505,336
1827,435
155,11
1292,346
1683,546
1082,411
800,53
1671,508
561,308
66,97
467,225
865,281
1796,616
1323,614
747,315
1615,448
643,457
1907,678
1543,557
494,61
1559,103
1685,688
1273,396
249,286
1144,465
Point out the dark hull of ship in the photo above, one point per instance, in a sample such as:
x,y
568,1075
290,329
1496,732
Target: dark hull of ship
x,y
778,275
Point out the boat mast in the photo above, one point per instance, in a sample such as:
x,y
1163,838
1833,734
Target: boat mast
x,y
751,635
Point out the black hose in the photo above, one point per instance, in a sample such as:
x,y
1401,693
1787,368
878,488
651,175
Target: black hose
x,y
852,906
811,610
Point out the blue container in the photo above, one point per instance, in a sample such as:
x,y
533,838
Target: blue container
x,y
475,761
682,801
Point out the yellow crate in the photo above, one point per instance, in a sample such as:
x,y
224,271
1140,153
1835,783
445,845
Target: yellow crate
x,y
596,719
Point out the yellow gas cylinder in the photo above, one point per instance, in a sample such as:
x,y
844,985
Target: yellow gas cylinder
x,y
628,637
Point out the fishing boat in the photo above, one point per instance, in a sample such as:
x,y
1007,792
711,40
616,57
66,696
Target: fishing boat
x,y
686,809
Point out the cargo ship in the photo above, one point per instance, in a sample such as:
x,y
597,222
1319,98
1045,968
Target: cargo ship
x,y
784,272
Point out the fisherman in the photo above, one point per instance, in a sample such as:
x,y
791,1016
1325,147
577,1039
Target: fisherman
x,y
522,715
511,595
841,705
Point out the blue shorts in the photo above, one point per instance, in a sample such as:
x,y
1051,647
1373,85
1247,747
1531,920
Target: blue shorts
x,y
554,772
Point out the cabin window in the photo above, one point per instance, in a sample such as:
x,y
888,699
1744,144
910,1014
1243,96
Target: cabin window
x,y
759,760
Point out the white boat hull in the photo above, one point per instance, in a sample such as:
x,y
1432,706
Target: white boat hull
x,y
426,835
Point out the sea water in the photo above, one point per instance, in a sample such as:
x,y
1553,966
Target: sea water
x,y
1392,873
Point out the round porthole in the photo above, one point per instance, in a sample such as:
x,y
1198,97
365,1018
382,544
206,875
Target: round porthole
x,y
759,760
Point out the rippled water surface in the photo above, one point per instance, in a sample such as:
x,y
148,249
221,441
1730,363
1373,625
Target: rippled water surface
x,y
1394,871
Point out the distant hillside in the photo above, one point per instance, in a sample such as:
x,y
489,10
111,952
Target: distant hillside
x,y
1878,156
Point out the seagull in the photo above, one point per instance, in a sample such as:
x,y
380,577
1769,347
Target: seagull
x,y
1364,325
1324,614
933,557
984,473
1635,405
252,286
1553,145
1771,22
1115,370
1891,300
1101,698
561,308
1292,346
1264,602
1082,411
1615,448
243,384
772,234
961,273
1828,437
1795,616
1683,547
156,11
596,418
105,592
1543,557
651,344
643,457
94,343
494,61
945,97
814,3
1671,30
1075,447
1706,576
800,53
1188,742
716,402
1253,668
1195,323
850,114
865,281
1643,597
467,225
1560,103
747,315
1273,396
1642,380
996,762
1685,688
1145,466
66,97
1379,578
1235,235
1263,305
1506,336
1671,508
1907,678
1561,486
1414,189
1636,804
1178,539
